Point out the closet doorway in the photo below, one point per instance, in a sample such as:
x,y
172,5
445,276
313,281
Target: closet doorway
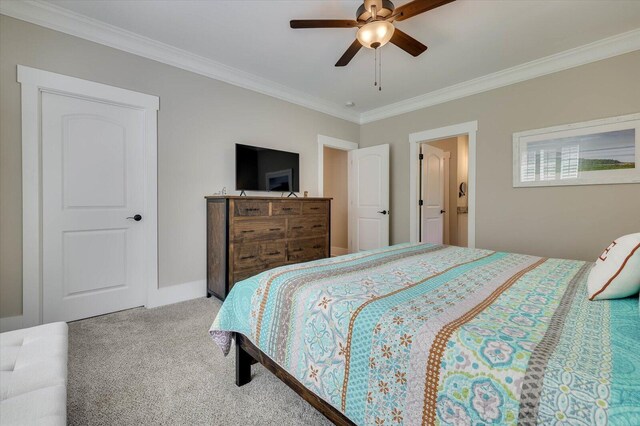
x,y
443,190
333,181
365,175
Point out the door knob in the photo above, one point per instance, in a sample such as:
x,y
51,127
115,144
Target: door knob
x,y
136,217
442,211
383,212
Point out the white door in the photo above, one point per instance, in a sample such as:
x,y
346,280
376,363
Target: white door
x,y
92,183
369,197
432,194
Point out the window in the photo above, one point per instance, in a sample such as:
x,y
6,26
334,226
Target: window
x,y
597,152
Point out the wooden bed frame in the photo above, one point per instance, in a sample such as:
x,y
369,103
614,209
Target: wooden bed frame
x,y
248,354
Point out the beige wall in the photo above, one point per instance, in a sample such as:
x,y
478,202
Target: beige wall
x,y
199,121
336,185
569,222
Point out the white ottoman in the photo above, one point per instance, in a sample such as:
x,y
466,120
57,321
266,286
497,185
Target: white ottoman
x,y
33,375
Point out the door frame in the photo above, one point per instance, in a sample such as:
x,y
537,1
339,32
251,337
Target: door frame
x,y
470,129
33,83
343,145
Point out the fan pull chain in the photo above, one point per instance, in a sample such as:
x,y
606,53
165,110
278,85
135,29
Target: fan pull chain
x,y
380,72
375,67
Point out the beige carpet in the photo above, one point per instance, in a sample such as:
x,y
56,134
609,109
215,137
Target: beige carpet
x,y
159,366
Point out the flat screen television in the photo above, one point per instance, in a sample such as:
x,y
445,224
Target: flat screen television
x,y
264,169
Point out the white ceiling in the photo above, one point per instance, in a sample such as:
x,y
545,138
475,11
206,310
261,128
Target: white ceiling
x,y
466,39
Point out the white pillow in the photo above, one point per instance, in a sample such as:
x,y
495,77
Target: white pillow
x,y
616,273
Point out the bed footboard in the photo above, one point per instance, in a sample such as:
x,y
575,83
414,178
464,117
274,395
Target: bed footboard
x,y
247,354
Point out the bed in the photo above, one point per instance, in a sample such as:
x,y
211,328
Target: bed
x,y
432,334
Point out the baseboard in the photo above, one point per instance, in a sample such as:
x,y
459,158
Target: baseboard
x,y
177,293
10,323
339,251
162,296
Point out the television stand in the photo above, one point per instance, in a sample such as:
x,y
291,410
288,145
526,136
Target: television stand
x,y
243,194
292,193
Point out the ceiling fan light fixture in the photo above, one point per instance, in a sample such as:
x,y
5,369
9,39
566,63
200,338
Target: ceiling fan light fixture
x,y
375,34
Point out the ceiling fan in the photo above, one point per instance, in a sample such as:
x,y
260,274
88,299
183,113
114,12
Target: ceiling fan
x,y
374,20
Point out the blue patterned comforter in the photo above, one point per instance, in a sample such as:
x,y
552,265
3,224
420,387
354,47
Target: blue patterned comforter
x,y
429,334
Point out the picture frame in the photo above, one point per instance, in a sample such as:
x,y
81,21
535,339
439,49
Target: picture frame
x,y
596,152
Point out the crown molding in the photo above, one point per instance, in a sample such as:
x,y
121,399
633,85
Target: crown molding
x,y
63,20
68,22
582,55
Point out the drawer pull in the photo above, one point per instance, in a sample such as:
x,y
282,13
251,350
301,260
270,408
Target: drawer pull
x,y
248,231
314,208
275,229
297,227
254,209
296,250
317,246
273,253
318,226
246,257
287,209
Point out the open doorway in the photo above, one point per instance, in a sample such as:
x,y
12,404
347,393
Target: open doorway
x,y
467,207
444,165
336,186
365,176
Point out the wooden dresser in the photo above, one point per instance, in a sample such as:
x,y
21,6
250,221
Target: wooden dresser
x,y
249,235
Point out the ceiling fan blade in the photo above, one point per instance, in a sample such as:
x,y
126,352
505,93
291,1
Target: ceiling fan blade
x,y
323,23
349,54
417,7
407,43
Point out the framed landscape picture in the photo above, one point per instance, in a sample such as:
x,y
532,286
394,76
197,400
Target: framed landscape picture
x,y
605,151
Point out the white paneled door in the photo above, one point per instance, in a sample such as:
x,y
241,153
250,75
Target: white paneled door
x,y
93,173
433,208
369,197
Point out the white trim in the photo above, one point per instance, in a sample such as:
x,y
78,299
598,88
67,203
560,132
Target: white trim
x,y
415,139
10,323
343,145
177,293
33,82
31,223
590,123
592,52
66,84
68,22
339,251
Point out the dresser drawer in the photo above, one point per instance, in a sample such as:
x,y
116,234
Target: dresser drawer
x,y
244,274
258,255
273,252
285,208
306,226
307,249
251,208
258,229
314,207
